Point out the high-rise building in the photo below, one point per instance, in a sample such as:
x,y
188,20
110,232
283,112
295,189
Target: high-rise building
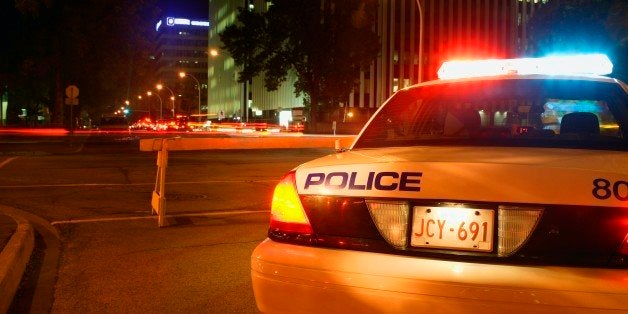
x,y
246,101
451,29
182,47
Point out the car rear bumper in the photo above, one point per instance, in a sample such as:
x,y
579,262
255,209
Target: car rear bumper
x,y
289,278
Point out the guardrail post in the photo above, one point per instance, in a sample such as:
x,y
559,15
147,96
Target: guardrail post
x,y
158,201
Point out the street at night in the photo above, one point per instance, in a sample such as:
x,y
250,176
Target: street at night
x,y
314,156
94,194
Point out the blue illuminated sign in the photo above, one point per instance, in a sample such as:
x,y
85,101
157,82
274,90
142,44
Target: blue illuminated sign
x,y
200,23
172,21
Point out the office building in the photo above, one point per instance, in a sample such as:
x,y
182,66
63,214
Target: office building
x,y
452,29
182,47
247,101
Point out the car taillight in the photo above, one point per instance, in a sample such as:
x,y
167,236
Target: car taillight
x,y
287,213
515,226
391,219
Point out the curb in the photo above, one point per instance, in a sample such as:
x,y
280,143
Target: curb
x,y
13,260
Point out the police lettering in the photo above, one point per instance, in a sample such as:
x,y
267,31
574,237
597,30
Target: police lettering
x,y
383,181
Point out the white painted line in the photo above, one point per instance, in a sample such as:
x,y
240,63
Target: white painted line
x,y
7,161
130,184
213,213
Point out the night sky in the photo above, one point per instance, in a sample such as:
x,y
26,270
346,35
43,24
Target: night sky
x,y
197,9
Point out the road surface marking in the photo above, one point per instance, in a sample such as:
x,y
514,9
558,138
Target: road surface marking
x,y
129,184
7,161
213,213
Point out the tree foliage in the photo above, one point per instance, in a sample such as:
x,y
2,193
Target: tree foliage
x,y
578,26
324,43
101,46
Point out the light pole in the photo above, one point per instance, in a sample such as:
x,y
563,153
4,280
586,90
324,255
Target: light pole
x,y
418,3
143,104
159,87
149,93
182,75
127,105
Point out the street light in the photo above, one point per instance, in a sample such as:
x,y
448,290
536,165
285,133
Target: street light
x,y
159,87
139,98
418,3
149,93
125,109
183,75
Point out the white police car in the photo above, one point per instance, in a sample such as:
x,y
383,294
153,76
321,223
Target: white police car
x,y
502,192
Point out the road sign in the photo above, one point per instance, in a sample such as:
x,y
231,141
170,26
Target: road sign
x,y
71,91
71,101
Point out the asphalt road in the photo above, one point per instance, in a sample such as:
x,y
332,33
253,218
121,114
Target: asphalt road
x,y
99,248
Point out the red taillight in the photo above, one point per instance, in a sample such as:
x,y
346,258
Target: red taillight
x,y
287,213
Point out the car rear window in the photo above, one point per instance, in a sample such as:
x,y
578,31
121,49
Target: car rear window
x,y
510,112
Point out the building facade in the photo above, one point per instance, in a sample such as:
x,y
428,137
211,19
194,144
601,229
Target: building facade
x,y
241,101
416,36
182,47
226,97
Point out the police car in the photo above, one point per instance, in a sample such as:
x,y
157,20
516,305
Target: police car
x,y
502,186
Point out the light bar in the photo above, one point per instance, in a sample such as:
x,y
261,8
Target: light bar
x,y
589,64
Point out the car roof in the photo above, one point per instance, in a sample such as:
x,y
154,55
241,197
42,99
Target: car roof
x,y
593,78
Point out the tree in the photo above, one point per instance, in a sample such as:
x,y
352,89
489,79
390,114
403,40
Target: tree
x,y
324,43
101,46
580,26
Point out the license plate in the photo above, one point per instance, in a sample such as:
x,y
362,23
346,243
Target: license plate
x,y
456,228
